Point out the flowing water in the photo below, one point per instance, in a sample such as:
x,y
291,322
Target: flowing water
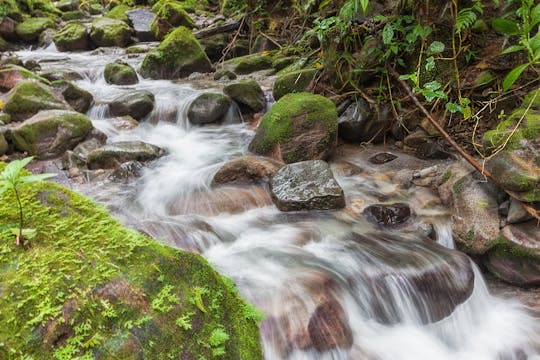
x,y
381,294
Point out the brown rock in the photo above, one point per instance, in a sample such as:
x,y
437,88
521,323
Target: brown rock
x,y
329,328
246,169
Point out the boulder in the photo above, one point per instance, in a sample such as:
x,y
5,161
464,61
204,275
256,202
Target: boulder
x,y
248,94
382,158
29,97
178,55
249,63
50,133
110,32
79,99
293,82
120,73
112,155
388,215
329,328
30,29
298,127
360,124
170,15
306,185
517,213
214,45
82,150
516,257
140,20
11,75
7,28
3,145
247,169
72,37
208,108
119,12
136,104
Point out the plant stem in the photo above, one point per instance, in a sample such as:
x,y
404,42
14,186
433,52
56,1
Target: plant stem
x,y
21,218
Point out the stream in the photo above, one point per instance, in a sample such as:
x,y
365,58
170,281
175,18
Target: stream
x,y
386,293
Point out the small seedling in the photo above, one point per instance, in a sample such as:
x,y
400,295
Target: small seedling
x,y
11,179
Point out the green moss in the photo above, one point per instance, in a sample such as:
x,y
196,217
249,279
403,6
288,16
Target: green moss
x,y
250,63
458,186
446,176
136,49
293,82
72,15
88,285
28,98
73,36
119,13
30,29
27,74
110,32
120,74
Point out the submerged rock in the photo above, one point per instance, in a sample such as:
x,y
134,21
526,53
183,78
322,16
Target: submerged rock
x,y
136,104
112,155
247,169
298,127
307,185
50,133
208,108
248,94
110,32
120,73
329,328
388,215
72,37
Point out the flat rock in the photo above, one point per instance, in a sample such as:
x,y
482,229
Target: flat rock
x,y
112,155
247,169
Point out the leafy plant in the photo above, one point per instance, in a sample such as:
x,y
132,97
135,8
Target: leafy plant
x,y
12,178
217,341
165,299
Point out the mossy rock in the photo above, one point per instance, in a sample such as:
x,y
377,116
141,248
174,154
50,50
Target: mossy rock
x,y
72,37
4,45
208,108
72,15
178,55
110,32
112,155
119,13
294,82
250,63
11,75
120,73
50,133
3,145
506,132
79,99
30,29
29,97
88,285
191,6
298,127
170,15
248,94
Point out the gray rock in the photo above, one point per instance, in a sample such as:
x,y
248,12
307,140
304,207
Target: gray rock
x,y
112,155
307,185
248,94
140,20
208,108
79,99
120,73
360,124
136,104
517,213
83,149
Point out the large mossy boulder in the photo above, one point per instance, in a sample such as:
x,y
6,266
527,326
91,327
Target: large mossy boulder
x,y
170,15
50,133
79,99
298,127
110,32
29,97
120,73
293,82
11,75
109,291
112,155
119,13
248,94
208,108
178,55
136,104
249,63
72,37
30,29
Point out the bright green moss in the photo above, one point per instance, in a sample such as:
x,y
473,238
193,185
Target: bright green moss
x,y
294,82
110,32
30,29
28,98
119,13
88,285
249,63
73,36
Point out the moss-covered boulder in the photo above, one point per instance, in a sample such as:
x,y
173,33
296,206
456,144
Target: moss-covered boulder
x,y
214,45
72,37
119,13
79,99
208,108
170,15
30,29
110,32
11,75
50,133
120,73
293,82
88,285
249,63
29,97
178,55
136,104
112,155
248,94
298,127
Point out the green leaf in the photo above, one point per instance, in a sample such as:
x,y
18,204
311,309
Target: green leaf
x,y
436,47
512,49
535,15
26,233
388,33
513,75
506,27
453,107
35,178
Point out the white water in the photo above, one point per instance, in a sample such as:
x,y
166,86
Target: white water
x,y
287,264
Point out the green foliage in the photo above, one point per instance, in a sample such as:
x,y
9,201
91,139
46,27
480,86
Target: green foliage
x,y
466,17
184,321
217,341
165,299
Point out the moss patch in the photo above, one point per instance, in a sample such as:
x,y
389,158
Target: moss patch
x,y
89,287
72,37
249,63
294,82
119,13
30,29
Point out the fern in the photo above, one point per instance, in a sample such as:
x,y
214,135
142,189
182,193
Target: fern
x,y
467,16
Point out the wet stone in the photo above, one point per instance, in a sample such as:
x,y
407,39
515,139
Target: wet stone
x,y
382,158
388,215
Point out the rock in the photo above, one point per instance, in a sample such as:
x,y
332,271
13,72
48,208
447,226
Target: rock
x,y
7,28
29,97
215,45
382,158
225,75
140,20
67,75
11,75
517,213
82,150
72,37
416,138
120,73
123,123
119,13
208,108
431,151
73,15
359,124
67,5
110,32
329,328
247,169
248,94
136,104
127,170
388,215
293,82
178,55
298,127
281,63
112,155
516,257
79,99
169,15
50,133
306,185
3,145
249,63
30,29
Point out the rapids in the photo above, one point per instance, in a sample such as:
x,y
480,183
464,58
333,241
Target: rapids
x,y
403,295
